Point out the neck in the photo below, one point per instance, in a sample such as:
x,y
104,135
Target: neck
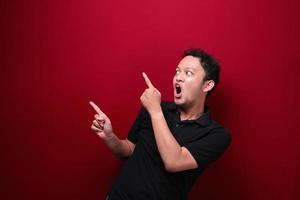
x,y
193,111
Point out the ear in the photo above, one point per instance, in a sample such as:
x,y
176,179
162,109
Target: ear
x,y
208,85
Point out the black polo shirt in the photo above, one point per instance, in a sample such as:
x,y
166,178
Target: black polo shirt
x,y
143,175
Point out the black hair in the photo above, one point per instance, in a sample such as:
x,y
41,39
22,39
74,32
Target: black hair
x,y
209,64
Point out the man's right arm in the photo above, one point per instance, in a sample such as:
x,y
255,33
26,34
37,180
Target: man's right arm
x,y
121,148
103,128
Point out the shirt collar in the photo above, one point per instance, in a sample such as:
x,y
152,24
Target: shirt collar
x,y
203,120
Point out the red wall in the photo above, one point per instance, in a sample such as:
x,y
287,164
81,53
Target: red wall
x,y
58,55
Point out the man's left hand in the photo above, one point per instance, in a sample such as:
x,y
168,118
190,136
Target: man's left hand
x,y
151,97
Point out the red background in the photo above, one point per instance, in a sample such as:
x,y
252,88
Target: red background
x,y
58,55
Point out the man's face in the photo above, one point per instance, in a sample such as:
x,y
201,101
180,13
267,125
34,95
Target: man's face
x,y
188,82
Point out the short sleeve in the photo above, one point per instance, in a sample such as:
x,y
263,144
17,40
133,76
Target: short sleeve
x,y
133,134
210,147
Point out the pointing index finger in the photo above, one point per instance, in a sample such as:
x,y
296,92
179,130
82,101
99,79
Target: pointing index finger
x,y
96,108
147,80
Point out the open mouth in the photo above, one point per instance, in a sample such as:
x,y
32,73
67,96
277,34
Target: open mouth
x,y
178,89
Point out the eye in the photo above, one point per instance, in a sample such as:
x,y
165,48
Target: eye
x,y
177,71
189,73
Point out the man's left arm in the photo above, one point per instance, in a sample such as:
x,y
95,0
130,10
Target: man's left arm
x,y
175,157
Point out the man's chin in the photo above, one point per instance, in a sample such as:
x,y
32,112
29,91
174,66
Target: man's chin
x,y
178,102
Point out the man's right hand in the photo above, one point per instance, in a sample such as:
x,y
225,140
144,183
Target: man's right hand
x,y
102,124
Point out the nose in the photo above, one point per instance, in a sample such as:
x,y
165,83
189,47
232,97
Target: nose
x,y
179,77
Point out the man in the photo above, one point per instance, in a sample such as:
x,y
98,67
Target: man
x,y
170,144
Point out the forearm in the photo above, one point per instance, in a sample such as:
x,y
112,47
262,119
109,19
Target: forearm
x,y
168,147
118,147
